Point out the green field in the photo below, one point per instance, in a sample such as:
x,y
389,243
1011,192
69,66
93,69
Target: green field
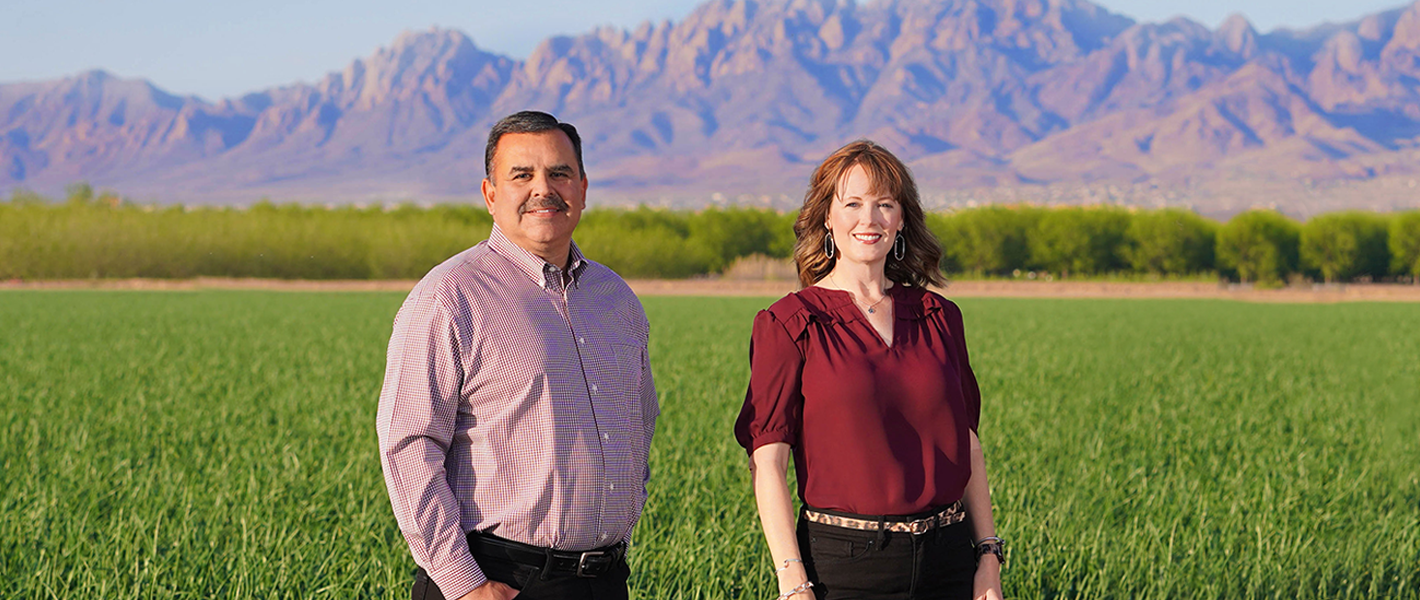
x,y
222,445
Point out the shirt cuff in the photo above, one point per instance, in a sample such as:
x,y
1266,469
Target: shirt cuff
x,y
772,436
458,578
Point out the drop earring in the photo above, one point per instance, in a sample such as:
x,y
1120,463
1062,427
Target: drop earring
x,y
899,247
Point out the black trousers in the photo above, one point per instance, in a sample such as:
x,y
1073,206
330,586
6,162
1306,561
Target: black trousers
x,y
848,563
531,585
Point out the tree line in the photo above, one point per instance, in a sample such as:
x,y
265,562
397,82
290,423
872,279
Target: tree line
x,y
1260,246
92,235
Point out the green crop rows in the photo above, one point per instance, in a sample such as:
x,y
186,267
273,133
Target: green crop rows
x,y
222,445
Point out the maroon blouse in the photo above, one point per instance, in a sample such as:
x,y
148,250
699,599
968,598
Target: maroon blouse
x,y
875,429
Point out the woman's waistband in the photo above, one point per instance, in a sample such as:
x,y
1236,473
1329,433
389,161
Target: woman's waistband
x,y
920,523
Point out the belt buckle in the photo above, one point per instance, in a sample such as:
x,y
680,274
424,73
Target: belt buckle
x,y
922,526
582,562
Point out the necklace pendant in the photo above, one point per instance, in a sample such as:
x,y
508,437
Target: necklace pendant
x,y
872,311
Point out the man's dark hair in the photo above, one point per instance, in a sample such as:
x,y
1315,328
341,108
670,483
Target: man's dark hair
x,y
529,121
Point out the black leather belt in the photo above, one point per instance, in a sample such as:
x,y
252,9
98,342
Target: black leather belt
x,y
553,563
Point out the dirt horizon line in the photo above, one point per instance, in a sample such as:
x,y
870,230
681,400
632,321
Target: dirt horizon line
x,y
1309,293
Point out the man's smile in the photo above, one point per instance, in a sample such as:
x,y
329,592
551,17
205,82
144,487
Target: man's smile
x,y
546,206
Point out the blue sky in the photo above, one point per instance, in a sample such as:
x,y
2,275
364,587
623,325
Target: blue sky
x,y
222,49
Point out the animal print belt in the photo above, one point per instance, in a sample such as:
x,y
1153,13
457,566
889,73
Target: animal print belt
x,y
952,514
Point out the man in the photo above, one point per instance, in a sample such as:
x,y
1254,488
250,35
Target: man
x,y
518,406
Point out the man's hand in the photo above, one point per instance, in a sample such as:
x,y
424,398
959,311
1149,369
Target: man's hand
x,y
988,579
492,590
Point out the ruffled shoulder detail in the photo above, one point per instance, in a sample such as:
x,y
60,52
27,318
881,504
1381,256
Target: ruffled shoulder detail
x,y
916,303
796,310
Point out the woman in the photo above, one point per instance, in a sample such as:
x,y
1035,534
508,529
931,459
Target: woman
x,y
863,377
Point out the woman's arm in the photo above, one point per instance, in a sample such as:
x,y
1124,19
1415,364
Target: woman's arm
x,y
769,468
978,511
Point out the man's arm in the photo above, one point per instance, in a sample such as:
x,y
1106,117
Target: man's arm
x,y
418,408
650,410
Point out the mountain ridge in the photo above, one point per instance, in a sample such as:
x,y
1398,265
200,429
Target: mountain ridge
x,y
743,97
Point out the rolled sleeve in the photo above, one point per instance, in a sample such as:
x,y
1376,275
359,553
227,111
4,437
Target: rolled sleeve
x,y
418,407
774,401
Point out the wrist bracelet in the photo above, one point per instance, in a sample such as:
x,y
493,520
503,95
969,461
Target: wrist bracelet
x,y
991,545
803,587
786,565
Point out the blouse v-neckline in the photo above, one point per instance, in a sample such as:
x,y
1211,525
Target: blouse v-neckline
x,y
848,310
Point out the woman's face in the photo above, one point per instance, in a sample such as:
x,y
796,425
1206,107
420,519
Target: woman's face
x,y
865,223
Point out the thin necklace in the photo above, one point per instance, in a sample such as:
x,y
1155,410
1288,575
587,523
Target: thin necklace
x,y
870,308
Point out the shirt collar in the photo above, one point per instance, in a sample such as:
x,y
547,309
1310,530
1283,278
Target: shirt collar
x,y
546,275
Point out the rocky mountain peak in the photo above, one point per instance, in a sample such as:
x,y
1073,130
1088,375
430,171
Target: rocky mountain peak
x,y
1345,51
1238,35
435,60
743,95
94,99
92,78
1406,34
1378,27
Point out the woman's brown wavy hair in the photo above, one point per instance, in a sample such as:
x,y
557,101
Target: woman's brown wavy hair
x,y
918,266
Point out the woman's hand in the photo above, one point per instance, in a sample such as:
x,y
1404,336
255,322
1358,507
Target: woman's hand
x,y
988,579
792,577
987,583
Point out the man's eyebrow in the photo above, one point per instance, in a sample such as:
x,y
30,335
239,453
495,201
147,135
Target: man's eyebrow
x,y
555,169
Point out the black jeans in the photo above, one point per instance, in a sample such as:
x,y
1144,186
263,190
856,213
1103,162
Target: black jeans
x,y
528,580
848,563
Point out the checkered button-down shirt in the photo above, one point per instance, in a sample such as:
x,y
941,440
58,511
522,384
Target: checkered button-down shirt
x,y
517,401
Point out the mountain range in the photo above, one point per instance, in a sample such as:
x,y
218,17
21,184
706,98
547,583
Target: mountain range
x,y
987,100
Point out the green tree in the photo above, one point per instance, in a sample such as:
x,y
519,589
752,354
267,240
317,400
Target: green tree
x,y
985,240
79,193
1082,241
1405,244
1344,245
1170,242
24,197
1259,245
727,234
643,242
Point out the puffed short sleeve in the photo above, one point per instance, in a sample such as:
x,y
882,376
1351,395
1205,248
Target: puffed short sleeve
x,y
774,402
970,391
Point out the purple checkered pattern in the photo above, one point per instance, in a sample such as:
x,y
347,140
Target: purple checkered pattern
x,y
517,401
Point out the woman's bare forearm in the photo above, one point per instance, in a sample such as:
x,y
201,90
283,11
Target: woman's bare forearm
x,y
987,582
769,467
977,498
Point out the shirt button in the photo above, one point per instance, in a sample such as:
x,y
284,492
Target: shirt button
x,y
594,387
612,487
604,536
581,340
606,436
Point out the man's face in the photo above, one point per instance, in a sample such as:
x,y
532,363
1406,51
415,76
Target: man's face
x,y
535,192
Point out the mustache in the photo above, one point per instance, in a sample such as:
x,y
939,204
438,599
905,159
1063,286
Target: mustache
x,y
553,201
